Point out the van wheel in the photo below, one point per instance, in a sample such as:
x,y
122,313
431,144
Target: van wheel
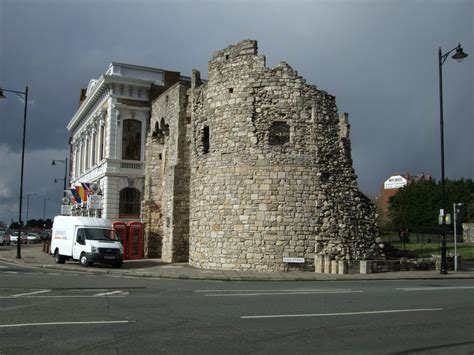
x,y
117,265
60,259
84,260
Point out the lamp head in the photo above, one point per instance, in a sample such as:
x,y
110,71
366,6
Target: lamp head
x,y
53,163
459,55
2,96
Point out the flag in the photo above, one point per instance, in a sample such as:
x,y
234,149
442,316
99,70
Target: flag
x,y
71,197
87,187
81,192
76,196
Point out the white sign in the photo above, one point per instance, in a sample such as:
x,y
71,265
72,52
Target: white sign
x,y
395,182
66,210
94,202
293,260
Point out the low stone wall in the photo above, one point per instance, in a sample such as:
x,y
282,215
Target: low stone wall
x,y
326,266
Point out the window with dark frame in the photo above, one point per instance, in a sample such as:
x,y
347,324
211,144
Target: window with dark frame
x,y
129,203
131,140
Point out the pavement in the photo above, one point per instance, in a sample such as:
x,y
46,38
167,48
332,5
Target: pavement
x,y
34,256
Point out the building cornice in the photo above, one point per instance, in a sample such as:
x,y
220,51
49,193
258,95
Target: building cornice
x,y
100,87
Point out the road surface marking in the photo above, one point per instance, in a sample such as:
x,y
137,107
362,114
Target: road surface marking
x,y
10,272
341,314
280,290
30,293
65,323
434,288
111,293
278,293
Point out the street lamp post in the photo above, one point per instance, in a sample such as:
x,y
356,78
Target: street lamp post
x,y
25,96
459,55
28,206
65,173
44,207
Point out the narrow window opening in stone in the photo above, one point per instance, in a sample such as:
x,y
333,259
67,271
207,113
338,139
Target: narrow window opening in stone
x,y
166,98
160,156
231,90
279,133
205,140
226,56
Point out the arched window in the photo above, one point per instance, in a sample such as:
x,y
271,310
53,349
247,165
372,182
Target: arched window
x,y
129,205
131,140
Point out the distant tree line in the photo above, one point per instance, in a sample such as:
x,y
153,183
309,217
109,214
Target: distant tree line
x,y
416,206
34,223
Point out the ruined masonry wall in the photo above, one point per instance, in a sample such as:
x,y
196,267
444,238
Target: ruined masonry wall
x,y
277,179
167,177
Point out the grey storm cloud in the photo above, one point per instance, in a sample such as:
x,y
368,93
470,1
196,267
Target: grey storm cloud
x,y
379,58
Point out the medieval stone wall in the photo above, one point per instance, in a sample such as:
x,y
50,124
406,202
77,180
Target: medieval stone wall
x,y
271,170
251,167
167,177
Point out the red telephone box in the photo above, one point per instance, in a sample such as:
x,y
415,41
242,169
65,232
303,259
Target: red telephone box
x,y
121,231
135,240
131,236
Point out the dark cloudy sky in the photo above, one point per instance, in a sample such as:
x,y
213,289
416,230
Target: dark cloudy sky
x,y
378,57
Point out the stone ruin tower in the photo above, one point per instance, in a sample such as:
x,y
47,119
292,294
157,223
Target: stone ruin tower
x,y
263,165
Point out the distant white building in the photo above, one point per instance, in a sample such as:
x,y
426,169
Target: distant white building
x,y
108,132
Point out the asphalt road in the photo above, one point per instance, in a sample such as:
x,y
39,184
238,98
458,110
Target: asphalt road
x,y
53,312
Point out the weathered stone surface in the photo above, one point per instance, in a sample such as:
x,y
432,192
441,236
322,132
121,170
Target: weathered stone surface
x,y
255,166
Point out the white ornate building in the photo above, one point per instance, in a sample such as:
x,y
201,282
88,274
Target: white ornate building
x,y
108,132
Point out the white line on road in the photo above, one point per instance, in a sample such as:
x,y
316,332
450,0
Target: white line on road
x,y
30,293
280,290
65,323
341,314
111,293
278,293
61,296
434,288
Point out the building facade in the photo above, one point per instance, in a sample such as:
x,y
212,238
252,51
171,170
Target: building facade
x,y
389,188
250,167
108,132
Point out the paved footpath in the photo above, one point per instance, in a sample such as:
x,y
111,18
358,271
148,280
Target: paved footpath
x,y
33,255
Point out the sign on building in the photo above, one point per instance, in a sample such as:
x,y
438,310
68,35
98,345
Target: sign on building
x,y
395,182
95,202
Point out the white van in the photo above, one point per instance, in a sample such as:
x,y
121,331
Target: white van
x,y
86,239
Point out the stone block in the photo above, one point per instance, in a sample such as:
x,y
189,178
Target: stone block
x,y
366,266
327,265
319,264
343,268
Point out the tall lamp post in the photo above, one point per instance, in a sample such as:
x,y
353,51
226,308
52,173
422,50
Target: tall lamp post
x,y
44,206
23,94
28,206
459,56
65,173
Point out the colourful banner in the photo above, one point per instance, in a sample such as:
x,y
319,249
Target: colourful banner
x,y
76,195
87,187
82,193
71,197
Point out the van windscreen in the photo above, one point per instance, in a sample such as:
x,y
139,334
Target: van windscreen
x,y
98,234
